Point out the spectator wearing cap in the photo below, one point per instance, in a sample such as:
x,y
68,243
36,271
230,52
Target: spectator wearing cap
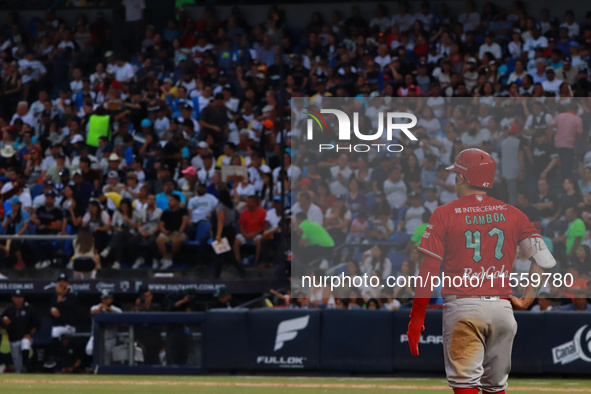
x,y
113,164
251,226
48,221
113,184
567,73
64,180
110,331
188,182
187,114
197,160
16,222
21,322
63,317
132,187
60,167
537,40
172,226
168,189
214,120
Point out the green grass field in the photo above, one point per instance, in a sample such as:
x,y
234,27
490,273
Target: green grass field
x,y
88,384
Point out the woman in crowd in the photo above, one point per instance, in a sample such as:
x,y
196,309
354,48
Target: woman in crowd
x,y
124,232
224,228
99,222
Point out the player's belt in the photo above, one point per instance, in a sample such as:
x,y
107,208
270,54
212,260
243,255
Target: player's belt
x,y
453,297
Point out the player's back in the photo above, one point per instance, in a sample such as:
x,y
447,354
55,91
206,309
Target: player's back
x,y
476,235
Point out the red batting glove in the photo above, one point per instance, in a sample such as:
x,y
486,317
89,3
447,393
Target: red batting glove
x,y
414,335
417,324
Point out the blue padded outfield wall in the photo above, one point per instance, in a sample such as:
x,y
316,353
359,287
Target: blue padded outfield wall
x,y
375,341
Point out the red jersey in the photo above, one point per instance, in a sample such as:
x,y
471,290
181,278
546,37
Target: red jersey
x,y
253,220
476,236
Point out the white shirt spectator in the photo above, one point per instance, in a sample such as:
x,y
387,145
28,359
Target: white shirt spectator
x,y
28,119
314,213
437,104
123,73
532,43
205,176
336,187
413,218
255,178
446,196
552,86
272,218
494,48
133,9
395,193
36,67
201,206
383,61
161,125
573,30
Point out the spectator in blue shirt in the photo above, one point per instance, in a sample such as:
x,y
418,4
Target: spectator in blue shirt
x,y
579,304
168,190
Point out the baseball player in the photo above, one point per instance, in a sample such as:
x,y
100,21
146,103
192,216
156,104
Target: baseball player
x,y
476,236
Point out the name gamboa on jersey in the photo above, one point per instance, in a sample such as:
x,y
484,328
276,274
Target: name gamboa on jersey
x,y
476,236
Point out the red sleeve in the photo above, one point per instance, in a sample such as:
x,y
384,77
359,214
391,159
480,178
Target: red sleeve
x,y
526,228
429,268
433,241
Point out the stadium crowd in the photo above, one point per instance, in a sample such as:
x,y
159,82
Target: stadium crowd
x,y
129,148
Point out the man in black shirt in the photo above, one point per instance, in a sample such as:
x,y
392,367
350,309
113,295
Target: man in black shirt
x,y
530,211
223,298
545,202
63,317
172,229
214,120
48,220
21,322
172,151
544,159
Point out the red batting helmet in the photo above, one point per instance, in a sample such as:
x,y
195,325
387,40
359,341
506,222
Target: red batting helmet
x,y
477,166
